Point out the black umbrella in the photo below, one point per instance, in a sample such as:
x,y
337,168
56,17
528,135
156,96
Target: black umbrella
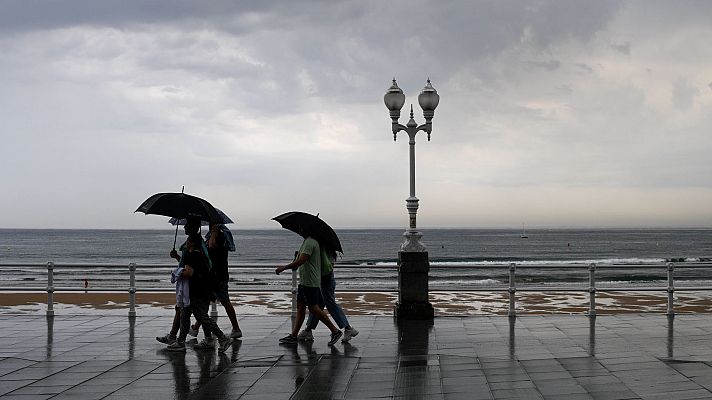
x,y
312,225
181,206
224,219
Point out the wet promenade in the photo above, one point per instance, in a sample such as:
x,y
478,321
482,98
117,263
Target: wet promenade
x,y
631,356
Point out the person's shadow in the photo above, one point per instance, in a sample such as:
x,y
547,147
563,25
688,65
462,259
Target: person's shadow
x,y
225,360
206,359
349,350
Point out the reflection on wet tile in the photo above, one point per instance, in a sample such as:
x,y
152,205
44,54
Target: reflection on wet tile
x,y
480,357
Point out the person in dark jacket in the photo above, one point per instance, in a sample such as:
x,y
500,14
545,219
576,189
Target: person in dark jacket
x,y
197,270
219,242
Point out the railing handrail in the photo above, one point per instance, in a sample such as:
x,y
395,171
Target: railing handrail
x,y
512,289
437,265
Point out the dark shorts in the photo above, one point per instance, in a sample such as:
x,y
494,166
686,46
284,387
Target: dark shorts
x,y
220,291
310,295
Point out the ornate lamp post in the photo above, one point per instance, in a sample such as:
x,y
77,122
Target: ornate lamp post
x,y
413,264
428,100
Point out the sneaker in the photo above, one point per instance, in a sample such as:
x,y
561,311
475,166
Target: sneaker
x,y
193,332
205,344
224,343
176,346
289,339
168,339
305,336
335,337
348,334
236,334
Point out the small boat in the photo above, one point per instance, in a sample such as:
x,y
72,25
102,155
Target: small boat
x,y
524,233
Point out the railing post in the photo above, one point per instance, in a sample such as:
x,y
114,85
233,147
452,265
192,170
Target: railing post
x,y
50,289
670,288
132,290
592,289
214,310
512,290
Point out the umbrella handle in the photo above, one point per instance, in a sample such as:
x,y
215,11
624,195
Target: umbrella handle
x,y
175,238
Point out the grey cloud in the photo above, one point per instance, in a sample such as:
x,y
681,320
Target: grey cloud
x,y
660,17
440,38
551,65
564,89
683,94
623,48
24,15
584,67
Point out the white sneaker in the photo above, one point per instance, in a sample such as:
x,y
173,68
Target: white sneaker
x,y
348,334
305,336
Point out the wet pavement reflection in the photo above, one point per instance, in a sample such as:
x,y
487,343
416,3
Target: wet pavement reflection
x,y
592,335
483,357
50,336
671,336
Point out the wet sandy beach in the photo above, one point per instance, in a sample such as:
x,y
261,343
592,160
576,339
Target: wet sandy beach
x,y
371,303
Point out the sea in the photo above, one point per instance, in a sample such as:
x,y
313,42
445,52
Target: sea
x,y
460,259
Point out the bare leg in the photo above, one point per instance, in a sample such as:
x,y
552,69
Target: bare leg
x,y
230,311
176,322
301,313
323,317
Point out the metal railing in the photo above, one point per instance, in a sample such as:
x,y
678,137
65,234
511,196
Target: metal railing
x,y
512,288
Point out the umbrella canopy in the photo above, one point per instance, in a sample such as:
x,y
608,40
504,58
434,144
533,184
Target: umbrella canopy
x,y
224,219
312,225
179,205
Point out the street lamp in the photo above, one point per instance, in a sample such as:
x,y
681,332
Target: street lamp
x,y
428,100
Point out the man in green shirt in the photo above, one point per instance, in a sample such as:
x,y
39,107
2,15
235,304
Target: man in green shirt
x,y
308,292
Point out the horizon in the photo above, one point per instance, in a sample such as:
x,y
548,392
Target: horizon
x,y
518,229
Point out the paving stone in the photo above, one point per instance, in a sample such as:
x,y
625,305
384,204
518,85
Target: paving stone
x,y
483,357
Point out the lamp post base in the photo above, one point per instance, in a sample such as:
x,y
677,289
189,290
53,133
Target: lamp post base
x,y
412,243
414,311
413,302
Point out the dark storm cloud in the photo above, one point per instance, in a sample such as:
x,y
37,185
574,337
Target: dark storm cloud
x,y
26,15
440,38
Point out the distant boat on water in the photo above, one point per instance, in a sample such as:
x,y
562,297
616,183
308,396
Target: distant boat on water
x,y
524,233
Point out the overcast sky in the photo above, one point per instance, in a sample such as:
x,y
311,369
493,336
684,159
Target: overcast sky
x,y
552,113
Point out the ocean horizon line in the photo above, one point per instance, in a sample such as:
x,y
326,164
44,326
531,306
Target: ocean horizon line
x,y
351,228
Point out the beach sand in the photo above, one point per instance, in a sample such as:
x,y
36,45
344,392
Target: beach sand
x,y
370,303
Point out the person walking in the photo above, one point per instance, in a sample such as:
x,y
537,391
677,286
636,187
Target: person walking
x,y
192,226
197,271
182,302
308,262
328,294
219,241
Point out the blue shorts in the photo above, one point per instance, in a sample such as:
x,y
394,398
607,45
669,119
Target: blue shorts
x,y
309,295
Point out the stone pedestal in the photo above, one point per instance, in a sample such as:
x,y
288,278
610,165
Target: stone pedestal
x,y
413,302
